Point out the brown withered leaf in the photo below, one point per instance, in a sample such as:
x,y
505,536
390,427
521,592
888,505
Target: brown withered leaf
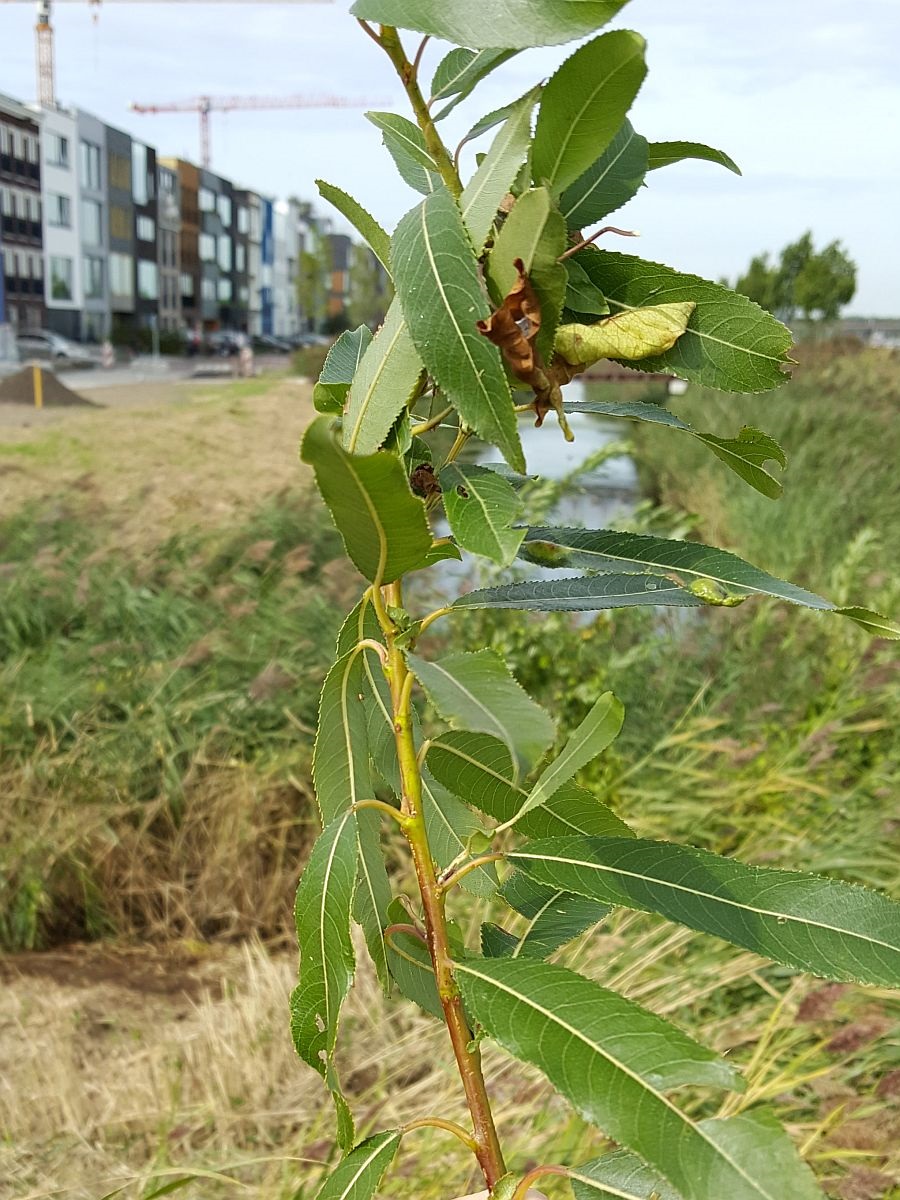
x,y
514,326
423,481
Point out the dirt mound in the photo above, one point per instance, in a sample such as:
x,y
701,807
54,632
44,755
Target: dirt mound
x,y
19,389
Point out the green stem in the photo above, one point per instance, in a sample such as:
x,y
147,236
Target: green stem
x,y
390,43
468,1058
449,1126
521,1192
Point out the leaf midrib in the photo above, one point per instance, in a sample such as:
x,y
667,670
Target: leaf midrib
x,y
376,379
597,182
700,333
331,1024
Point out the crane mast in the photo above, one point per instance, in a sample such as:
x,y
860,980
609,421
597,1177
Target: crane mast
x,y
46,74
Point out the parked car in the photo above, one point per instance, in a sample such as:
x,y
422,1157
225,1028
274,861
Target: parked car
x,y
55,349
299,340
267,343
9,351
225,342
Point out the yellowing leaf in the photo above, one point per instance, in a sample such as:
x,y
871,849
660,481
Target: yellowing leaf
x,y
634,334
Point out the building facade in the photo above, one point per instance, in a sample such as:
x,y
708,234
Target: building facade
x,y
21,217
168,240
146,249
120,224
60,195
92,169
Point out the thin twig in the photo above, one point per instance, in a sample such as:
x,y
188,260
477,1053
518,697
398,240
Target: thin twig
x,y
452,880
594,236
418,58
440,1123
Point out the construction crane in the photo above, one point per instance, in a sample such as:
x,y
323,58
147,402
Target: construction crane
x,y
204,105
43,31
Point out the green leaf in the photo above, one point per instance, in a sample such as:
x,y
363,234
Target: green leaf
x,y
730,344
450,826
604,550
341,364
497,942
359,1175
746,454
373,891
478,692
662,154
489,23
583,106
555,917
608,183
480,768
595,733
437,280
483,193
383,525
406,146
363,222
340,768
615,1062
619,1176
581,295
634,334
582,594
496,117
459,72
322,915
410,964
481,507
388,377
833,929
534,232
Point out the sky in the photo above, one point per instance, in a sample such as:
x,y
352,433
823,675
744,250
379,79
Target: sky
x,y
803,94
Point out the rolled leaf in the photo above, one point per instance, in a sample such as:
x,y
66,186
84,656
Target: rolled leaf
x,y
608,183
477,692
730,343
388,377
406,146
535,233
582,594
833,929
341,364
746,454
481,507
494,23
322,915
583,106
437,280
615,1063
663,154
604,550
483,193
364,223
635,334
359,1175
383,525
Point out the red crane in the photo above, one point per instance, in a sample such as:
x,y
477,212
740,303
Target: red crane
x,y
204,105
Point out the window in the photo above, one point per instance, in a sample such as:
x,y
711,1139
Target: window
x,y
224,207
139,188
146,229
224,257
120,171
208,289
120,223
90,166
224,289
167,181
31,148
37,266
93,277
244,294
60,278
57,150
6,201
206,200
59,210
91,222
187,284
121,281
240,257
243,219
207,247
147,281
33,207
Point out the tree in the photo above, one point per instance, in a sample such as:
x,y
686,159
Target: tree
x,y
804,280
483,798
313,272
370,290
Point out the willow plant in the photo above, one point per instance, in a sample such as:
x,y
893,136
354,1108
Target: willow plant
x,y
501,299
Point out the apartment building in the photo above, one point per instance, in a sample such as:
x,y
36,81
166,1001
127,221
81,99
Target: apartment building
x,y
93,227
21,225
146,249
120,223
60,195
168,242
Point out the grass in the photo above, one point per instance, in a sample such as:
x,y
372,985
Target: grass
x,y
144,769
